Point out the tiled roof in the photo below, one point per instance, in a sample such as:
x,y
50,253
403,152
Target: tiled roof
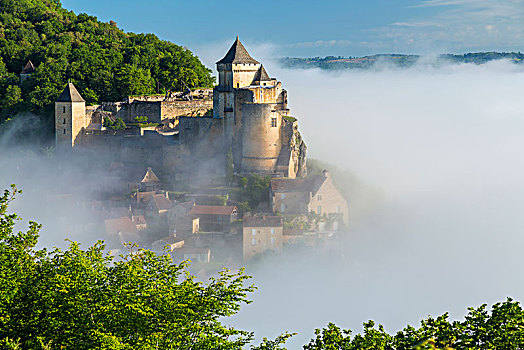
x,y
161,202
261,75
238,54
191,250
70,94
170,240
143,197
298,185
150,176
290,185
263,221
123,224
212,210
29,68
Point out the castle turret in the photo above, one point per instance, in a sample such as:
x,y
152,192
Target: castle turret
x,y
70,117
261,138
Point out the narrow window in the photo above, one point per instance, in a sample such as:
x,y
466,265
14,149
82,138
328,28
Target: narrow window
x,y
283,196
319,210
253,242
319,197
63,109
64,131
338,208
273,122
253,232
64,120
272,240
272,231
238,85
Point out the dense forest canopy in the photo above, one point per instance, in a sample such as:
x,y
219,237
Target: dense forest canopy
x,y
105,63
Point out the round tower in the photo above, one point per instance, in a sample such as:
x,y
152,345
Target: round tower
x,y
261,139
70,117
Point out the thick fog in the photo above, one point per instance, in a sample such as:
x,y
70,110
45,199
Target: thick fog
x,y
445,146
442,144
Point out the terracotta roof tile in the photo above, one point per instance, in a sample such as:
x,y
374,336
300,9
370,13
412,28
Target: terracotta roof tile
x,y
263,221
161,202
212,210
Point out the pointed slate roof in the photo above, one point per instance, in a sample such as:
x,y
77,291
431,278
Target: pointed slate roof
x,y
70,94
150,176
261,75
238,54
29,68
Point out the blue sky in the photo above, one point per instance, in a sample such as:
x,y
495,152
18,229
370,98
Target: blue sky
x,y
329,27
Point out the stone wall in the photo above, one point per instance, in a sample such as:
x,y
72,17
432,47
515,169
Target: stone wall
x,y
257,240
290,202
328,200
157,111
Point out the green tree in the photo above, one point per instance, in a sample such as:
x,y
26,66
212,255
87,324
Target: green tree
x,y
86,299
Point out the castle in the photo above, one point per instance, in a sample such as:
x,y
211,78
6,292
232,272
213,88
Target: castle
x,y
243,124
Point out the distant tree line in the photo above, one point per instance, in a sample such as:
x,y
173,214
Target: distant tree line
x,y
399,60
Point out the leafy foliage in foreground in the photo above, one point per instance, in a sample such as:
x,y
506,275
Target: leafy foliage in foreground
x,y
502,328
105,63
85,299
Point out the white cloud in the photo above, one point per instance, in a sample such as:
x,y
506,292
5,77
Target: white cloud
x,y
459,25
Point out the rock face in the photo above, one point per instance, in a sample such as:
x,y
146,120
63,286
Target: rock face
x,y
249,120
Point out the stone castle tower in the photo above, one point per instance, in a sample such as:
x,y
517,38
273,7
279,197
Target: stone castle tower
x,y
250,118
70,117
253,108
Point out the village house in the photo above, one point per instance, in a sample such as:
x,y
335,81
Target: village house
x,y
316,195
127,229
171,242
180,221
158,205
215,218
196,255
260,234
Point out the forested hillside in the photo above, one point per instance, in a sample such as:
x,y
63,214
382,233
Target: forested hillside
x,y
396,60
105,63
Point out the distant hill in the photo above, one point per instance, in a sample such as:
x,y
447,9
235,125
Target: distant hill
x,y
105,63
398,60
